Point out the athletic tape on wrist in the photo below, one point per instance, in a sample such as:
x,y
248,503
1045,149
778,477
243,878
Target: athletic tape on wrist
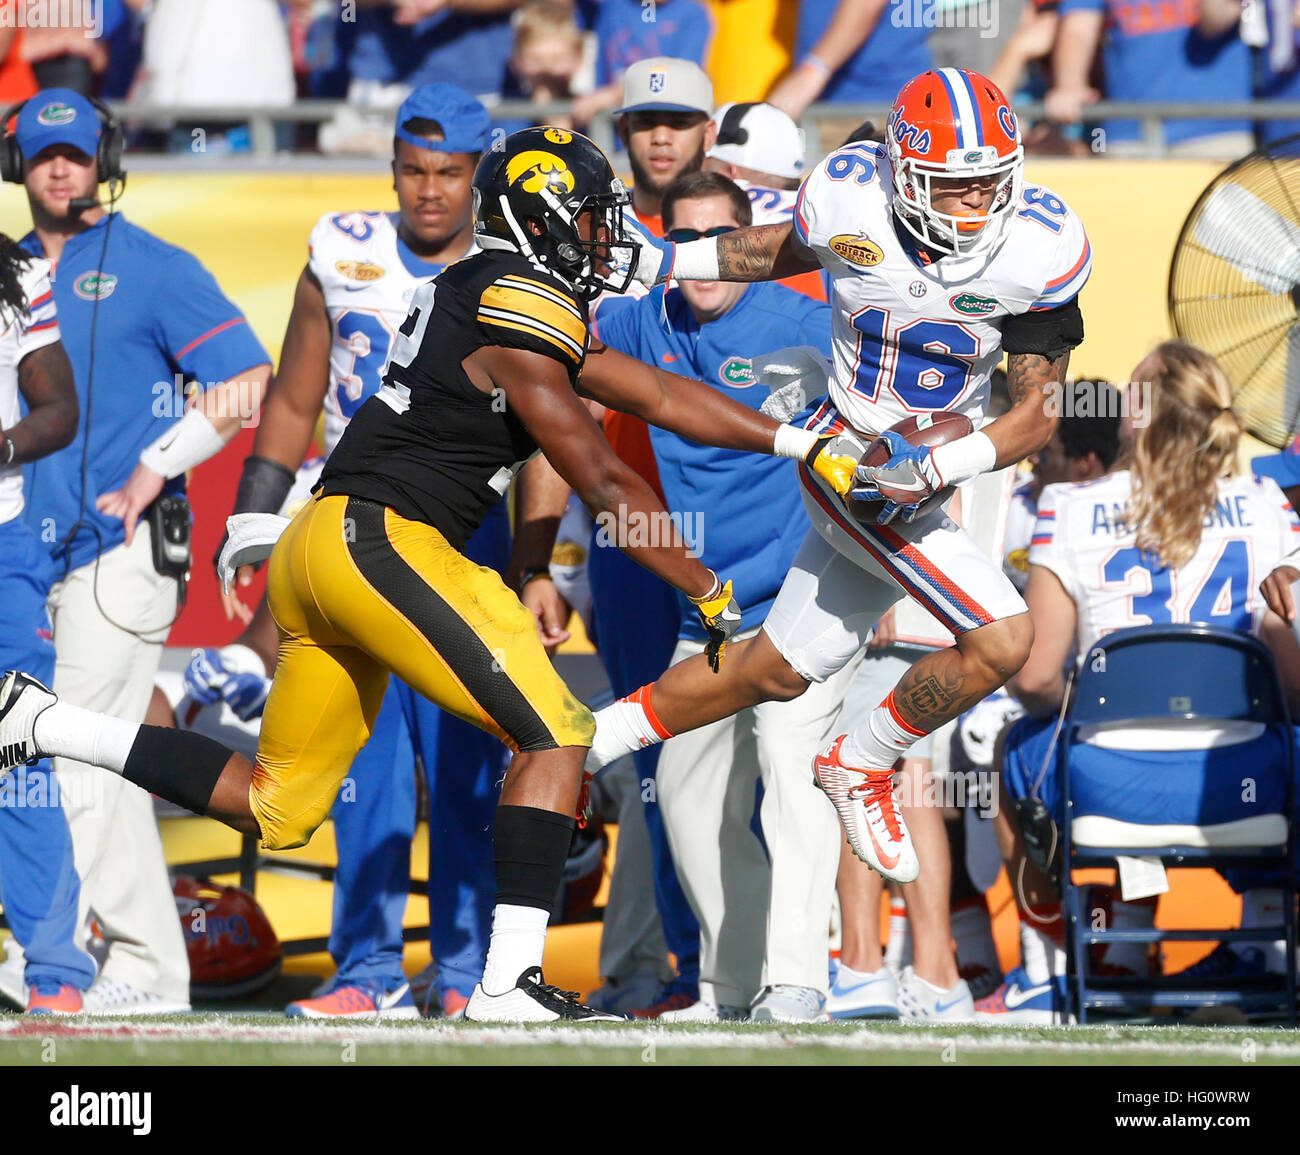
x,y
964,458
791,441
695,261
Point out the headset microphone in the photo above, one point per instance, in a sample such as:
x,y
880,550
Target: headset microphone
x,y
79,205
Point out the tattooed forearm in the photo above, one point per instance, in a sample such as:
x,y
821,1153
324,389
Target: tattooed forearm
x,y
1032,375
750,254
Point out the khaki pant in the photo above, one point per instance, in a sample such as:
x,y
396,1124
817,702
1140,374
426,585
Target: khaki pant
x,y
101,665
761,923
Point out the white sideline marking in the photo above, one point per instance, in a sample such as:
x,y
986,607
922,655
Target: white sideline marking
x,y
1161,1040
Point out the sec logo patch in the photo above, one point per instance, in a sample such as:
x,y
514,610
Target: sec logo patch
x,y
360,270
857,250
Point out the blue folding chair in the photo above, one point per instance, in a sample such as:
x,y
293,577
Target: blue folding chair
x,y
1167,676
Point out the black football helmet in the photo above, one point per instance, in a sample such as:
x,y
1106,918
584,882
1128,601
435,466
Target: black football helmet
x,y
551,176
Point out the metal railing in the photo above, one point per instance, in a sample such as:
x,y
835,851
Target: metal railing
x,y
816,122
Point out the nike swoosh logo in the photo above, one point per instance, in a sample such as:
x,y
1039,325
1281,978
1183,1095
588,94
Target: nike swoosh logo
x,y
1016,997
941,1007
840,990
901,485
885,861
669,357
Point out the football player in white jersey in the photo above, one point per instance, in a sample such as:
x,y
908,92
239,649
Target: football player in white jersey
x,y
1173,535
941,259
39,886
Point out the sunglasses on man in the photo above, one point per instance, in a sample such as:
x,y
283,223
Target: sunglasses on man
x,y
681,236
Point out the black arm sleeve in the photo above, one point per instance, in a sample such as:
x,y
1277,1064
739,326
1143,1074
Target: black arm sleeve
x,y
263,486
1049,332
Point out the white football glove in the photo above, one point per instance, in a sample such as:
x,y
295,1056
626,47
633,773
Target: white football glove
x,y
793,377
650,257
252,537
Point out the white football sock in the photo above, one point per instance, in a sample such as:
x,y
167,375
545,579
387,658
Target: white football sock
x,y
898,951
1042,946
66,731
518,940
623,727
881,740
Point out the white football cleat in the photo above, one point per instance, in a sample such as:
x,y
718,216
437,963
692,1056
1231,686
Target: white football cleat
x,y
706,1012
864,800
22,700
922,1002
784,1003
533,1000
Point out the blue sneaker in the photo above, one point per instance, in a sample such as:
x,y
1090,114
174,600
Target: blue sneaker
x,y
1019,1002
358,999
1223,962
854,995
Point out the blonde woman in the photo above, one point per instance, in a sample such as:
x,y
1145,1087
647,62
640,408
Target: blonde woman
x,y
1173,534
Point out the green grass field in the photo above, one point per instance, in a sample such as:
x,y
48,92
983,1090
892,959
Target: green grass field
x,y
248,1040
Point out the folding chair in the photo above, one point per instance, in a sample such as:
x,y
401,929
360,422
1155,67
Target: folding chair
x,y
1162,677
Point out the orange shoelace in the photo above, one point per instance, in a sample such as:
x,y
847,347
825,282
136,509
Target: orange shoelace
x,y
878,789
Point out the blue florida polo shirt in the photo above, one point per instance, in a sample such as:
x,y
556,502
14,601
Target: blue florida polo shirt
x,y
742,511
156,312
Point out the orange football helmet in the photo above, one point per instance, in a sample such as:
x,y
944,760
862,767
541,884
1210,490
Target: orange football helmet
x,y
951,123
233,950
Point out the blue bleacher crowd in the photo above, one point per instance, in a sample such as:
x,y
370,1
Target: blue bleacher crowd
x,y
1069,53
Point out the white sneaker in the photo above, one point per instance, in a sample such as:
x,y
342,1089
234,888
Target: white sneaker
x,y
789,1004
864,800
112,997
22,700
923,1002
532,1000
862,994
706,1012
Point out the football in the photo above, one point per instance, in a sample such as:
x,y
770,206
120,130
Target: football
x,y
928,429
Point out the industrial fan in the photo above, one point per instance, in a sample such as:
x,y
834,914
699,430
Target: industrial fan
x,y
1234,285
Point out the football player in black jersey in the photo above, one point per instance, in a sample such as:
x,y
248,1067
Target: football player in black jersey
x,y
369,578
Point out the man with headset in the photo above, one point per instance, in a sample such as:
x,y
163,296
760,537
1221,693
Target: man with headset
x,y
137,314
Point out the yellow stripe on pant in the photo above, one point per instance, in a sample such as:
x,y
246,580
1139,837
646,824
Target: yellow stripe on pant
x,y
358,591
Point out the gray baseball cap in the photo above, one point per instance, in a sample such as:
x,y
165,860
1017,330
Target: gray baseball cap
x,y
666,84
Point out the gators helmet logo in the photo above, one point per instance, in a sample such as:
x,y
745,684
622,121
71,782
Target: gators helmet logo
x,y
536,170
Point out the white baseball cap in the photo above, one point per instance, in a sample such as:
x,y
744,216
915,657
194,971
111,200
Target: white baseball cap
x,y
759,136
666,84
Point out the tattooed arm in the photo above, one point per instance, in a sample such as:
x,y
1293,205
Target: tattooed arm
x,y
1028,425
760,253
763,253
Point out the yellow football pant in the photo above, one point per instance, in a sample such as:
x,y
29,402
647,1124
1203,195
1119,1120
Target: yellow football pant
x,y
358,591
